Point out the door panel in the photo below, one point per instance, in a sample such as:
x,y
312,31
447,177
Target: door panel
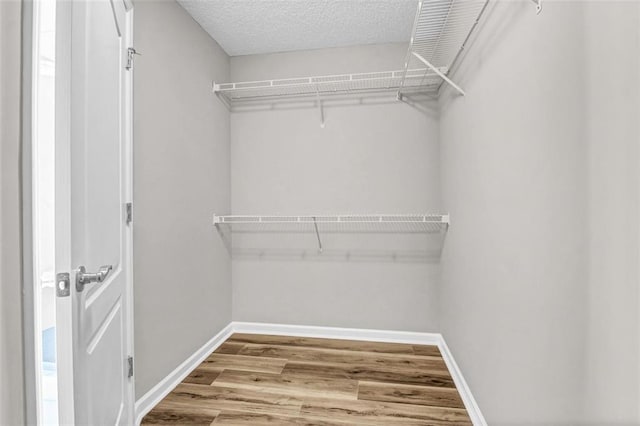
x,y
96,190
99,102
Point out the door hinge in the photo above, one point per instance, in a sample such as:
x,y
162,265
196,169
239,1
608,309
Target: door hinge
x,y
130,364
128,213
130,53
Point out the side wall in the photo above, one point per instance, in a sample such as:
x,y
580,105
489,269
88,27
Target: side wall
x,y
612,120
12,410
514,168
540,173
182,273
379,157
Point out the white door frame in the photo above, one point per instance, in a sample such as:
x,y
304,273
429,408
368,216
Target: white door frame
x,y
28,283
30,327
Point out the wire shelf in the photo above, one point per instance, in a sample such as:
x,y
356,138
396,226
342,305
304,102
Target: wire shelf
x,y
441,30
421,80
335,224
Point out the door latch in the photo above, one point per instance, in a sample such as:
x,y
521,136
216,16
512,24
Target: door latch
x,y
63,286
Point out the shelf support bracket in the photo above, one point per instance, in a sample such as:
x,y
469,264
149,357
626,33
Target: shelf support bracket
x,y
315,224
440,73
321,109
538,6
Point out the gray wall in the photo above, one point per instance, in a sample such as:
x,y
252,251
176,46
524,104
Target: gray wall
x,y
612,119
378,157
540,173
182,272
11,352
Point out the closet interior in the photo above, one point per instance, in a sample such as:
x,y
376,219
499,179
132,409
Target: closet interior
x,y
451,184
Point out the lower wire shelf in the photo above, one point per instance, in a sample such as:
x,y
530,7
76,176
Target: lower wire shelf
x,y
348,223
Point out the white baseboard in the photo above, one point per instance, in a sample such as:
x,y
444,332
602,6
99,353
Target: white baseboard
x,y
337,333
155,395
166,385
461,385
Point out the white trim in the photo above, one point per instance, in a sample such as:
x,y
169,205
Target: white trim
x,y
461,384
30,326
128,193
638,320
337,333
159,391
65,330
166,385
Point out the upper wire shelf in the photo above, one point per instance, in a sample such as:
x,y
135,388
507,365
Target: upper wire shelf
x,y
421,80
441,31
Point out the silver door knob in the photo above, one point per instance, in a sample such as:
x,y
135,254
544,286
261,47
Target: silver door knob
x,y
83,277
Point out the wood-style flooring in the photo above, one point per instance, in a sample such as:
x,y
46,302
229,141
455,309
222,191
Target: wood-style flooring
x,y
276,380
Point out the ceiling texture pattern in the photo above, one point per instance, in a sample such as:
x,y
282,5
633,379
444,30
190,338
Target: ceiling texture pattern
x,y
247,27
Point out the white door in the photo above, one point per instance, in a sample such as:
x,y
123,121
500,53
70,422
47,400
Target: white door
x,y
93,187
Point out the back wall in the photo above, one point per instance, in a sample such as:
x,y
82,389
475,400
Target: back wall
x,y
380,157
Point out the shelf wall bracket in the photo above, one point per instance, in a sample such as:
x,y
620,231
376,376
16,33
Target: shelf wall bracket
x,y
315,224
216,90
321,109
538,6
440,73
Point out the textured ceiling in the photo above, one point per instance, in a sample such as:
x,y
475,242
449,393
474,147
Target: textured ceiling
x,y
245,27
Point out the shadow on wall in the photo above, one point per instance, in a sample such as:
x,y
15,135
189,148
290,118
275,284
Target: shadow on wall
x,y
493,30
424,103
386,246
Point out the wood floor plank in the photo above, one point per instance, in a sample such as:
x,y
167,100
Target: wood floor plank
x,y
217,362
427,350
312,342
436,378
290,384
241,419
229,348
409,394
221,399
200,376
383,413
360,358
170,417
166,413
